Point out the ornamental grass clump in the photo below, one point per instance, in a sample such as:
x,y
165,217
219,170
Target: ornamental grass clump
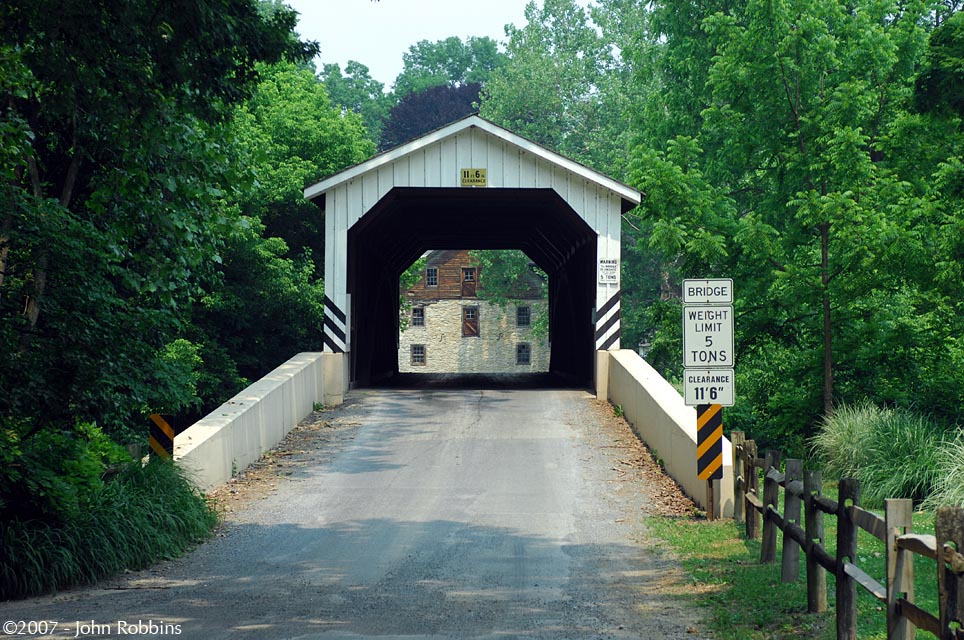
x,y
949,486
894,453
905,458
842,444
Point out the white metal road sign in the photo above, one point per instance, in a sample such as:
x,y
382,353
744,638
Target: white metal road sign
x,y
708,386
708,291
707,336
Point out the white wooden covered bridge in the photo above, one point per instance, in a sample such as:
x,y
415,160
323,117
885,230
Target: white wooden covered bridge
x,y
469,185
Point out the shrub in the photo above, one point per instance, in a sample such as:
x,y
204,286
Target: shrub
x,y
49,474
905,458
143,514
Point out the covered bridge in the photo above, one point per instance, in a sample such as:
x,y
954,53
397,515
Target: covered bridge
x,y
469,185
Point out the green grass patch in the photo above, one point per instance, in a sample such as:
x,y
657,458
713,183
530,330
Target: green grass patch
x,y
747,601
143,514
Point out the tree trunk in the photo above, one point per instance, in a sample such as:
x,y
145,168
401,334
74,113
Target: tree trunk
x,y
39,282
827,325
5,246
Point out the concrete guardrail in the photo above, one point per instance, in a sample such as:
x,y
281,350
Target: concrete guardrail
x,y
658,415
234,435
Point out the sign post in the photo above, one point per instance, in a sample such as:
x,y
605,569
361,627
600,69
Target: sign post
x,y
708,377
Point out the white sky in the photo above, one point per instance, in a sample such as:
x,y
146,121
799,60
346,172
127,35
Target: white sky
x,y
378,33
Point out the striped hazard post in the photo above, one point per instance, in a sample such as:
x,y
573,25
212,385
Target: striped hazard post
x,y
709,441
709,450
161,437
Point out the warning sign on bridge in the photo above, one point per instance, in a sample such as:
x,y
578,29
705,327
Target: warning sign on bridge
x,y
609,271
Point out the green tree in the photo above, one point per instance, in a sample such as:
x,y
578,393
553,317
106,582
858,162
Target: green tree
x,y
508,277
292,135
451,62
266,304
355,90
549,91
789,182
940,84
429,109
115,177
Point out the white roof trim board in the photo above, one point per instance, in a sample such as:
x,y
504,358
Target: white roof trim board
x,y
625,192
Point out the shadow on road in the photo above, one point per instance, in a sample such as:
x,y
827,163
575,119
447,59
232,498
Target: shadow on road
x,y
385,578
485,381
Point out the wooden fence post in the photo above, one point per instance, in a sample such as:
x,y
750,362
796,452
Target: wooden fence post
x,y
949,528
738,441
753,486
771,497
848,492
816,574
790,569
898,518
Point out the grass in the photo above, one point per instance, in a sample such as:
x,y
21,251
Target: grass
x,y
143,514
747,601
895,453
949,486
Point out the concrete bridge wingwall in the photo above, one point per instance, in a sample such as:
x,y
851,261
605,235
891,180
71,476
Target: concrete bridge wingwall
x,y
662,420
238,432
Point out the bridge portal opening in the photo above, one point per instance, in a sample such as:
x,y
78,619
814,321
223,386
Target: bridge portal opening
x,y
473,312
408,222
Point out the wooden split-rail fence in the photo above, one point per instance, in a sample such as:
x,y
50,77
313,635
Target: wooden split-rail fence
x,y
803,492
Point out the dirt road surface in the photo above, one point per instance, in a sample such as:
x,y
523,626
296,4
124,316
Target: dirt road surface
x,y
442,513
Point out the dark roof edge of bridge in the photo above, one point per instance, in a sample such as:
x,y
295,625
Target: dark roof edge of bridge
x,y
630,196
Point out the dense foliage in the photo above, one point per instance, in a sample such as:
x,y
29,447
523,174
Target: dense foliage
x,y
155,249
144,514
439,83
797,165
117,176
507,278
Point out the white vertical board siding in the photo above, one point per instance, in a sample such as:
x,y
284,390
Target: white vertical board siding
x,y
402,172
416,168
339,203
386,180
527,170
495,162
463,151
369,194
450,162
511,169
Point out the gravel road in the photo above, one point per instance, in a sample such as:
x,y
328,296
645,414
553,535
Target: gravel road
x,y
438,513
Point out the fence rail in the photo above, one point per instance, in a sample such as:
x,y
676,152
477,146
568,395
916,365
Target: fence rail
x,y
803,491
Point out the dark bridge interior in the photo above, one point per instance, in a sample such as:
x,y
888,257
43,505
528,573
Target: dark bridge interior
x,y
407,222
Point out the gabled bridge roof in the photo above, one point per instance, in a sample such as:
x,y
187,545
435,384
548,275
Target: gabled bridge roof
x,y
518,146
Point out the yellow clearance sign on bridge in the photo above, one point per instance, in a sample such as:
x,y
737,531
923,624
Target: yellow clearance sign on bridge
x,y
474,178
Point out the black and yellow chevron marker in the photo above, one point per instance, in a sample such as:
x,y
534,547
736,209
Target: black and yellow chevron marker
x,y
161,437
709,441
